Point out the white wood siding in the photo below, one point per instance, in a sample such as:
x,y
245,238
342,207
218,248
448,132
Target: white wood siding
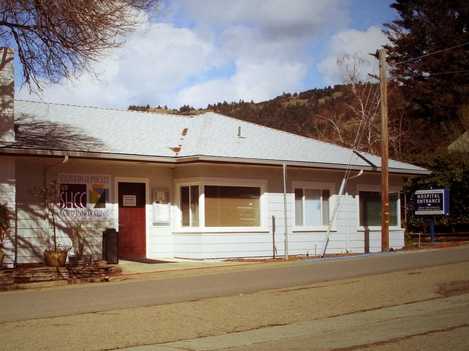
x,y
345,237
34,232
8,197
167,241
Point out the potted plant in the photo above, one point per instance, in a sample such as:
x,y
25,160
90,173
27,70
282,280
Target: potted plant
x,y
77,235
55,255
5,223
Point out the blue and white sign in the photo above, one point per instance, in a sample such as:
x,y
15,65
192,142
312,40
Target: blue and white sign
x,y
432,202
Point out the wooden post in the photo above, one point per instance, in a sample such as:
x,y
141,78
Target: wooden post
x,y
384,152
367,228
273,238
285,209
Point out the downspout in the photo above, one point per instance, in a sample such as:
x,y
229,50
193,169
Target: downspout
x,y
284,166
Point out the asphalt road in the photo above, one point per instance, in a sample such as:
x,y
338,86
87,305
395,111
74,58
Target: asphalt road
x,y
30,304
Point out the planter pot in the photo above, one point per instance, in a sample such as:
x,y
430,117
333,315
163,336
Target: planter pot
x,y
100,263
75,260
54,258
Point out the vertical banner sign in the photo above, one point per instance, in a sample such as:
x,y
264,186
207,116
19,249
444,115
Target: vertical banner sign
x,y
432,202
84,195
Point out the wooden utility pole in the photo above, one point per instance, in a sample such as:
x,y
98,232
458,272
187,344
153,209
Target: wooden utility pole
x,y
284,168
384,152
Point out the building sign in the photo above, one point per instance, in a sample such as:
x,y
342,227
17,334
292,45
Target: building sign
x,y
432,202
129,200
83,195
73,196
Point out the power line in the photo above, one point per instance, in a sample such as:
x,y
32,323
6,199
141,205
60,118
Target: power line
x,y
432,53
447,72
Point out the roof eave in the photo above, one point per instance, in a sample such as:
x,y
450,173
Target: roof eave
x,y
199,158
218,159
86,155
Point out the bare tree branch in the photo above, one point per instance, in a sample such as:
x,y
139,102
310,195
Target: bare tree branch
x,y
334,124
59,38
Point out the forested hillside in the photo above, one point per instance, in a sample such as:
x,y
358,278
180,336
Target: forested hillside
x,y
340,115
344,113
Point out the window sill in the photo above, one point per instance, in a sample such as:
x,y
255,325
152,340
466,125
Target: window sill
x,y
322,228
378,228
203,230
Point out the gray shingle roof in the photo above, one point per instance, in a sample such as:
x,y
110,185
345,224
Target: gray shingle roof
x,y
78,128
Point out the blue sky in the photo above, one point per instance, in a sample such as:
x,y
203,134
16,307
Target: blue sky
x,y
203,51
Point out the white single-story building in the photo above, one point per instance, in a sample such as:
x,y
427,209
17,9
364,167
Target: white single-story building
x,y
198,187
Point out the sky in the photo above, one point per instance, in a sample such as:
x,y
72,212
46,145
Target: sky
x,y
200,52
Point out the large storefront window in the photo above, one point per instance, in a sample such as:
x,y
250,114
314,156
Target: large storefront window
x,y
223,206
311,207
370,208
232,206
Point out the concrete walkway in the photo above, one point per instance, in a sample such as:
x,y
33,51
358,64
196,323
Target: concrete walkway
x,y
132,267
173,265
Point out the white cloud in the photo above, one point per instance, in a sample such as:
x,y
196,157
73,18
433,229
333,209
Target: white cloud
x,y
263,69
230,50
244,43
265,40
252,81
355,46
155,61
276,17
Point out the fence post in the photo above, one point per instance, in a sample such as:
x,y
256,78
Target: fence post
x,y
273,237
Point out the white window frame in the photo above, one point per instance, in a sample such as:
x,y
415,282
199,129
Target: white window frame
x,y
377,189
190,198
202,182
312,186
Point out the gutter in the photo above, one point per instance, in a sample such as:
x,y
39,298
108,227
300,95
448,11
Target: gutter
x,y
299,164
365,159
202,158
86,155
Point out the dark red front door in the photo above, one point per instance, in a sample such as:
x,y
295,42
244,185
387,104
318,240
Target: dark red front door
x,y
132,243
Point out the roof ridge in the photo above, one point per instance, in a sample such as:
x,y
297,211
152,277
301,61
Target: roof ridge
x,y
102,108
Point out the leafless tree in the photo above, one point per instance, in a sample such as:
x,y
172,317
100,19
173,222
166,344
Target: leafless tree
x,y
336,124
364,107
363,111
59,38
